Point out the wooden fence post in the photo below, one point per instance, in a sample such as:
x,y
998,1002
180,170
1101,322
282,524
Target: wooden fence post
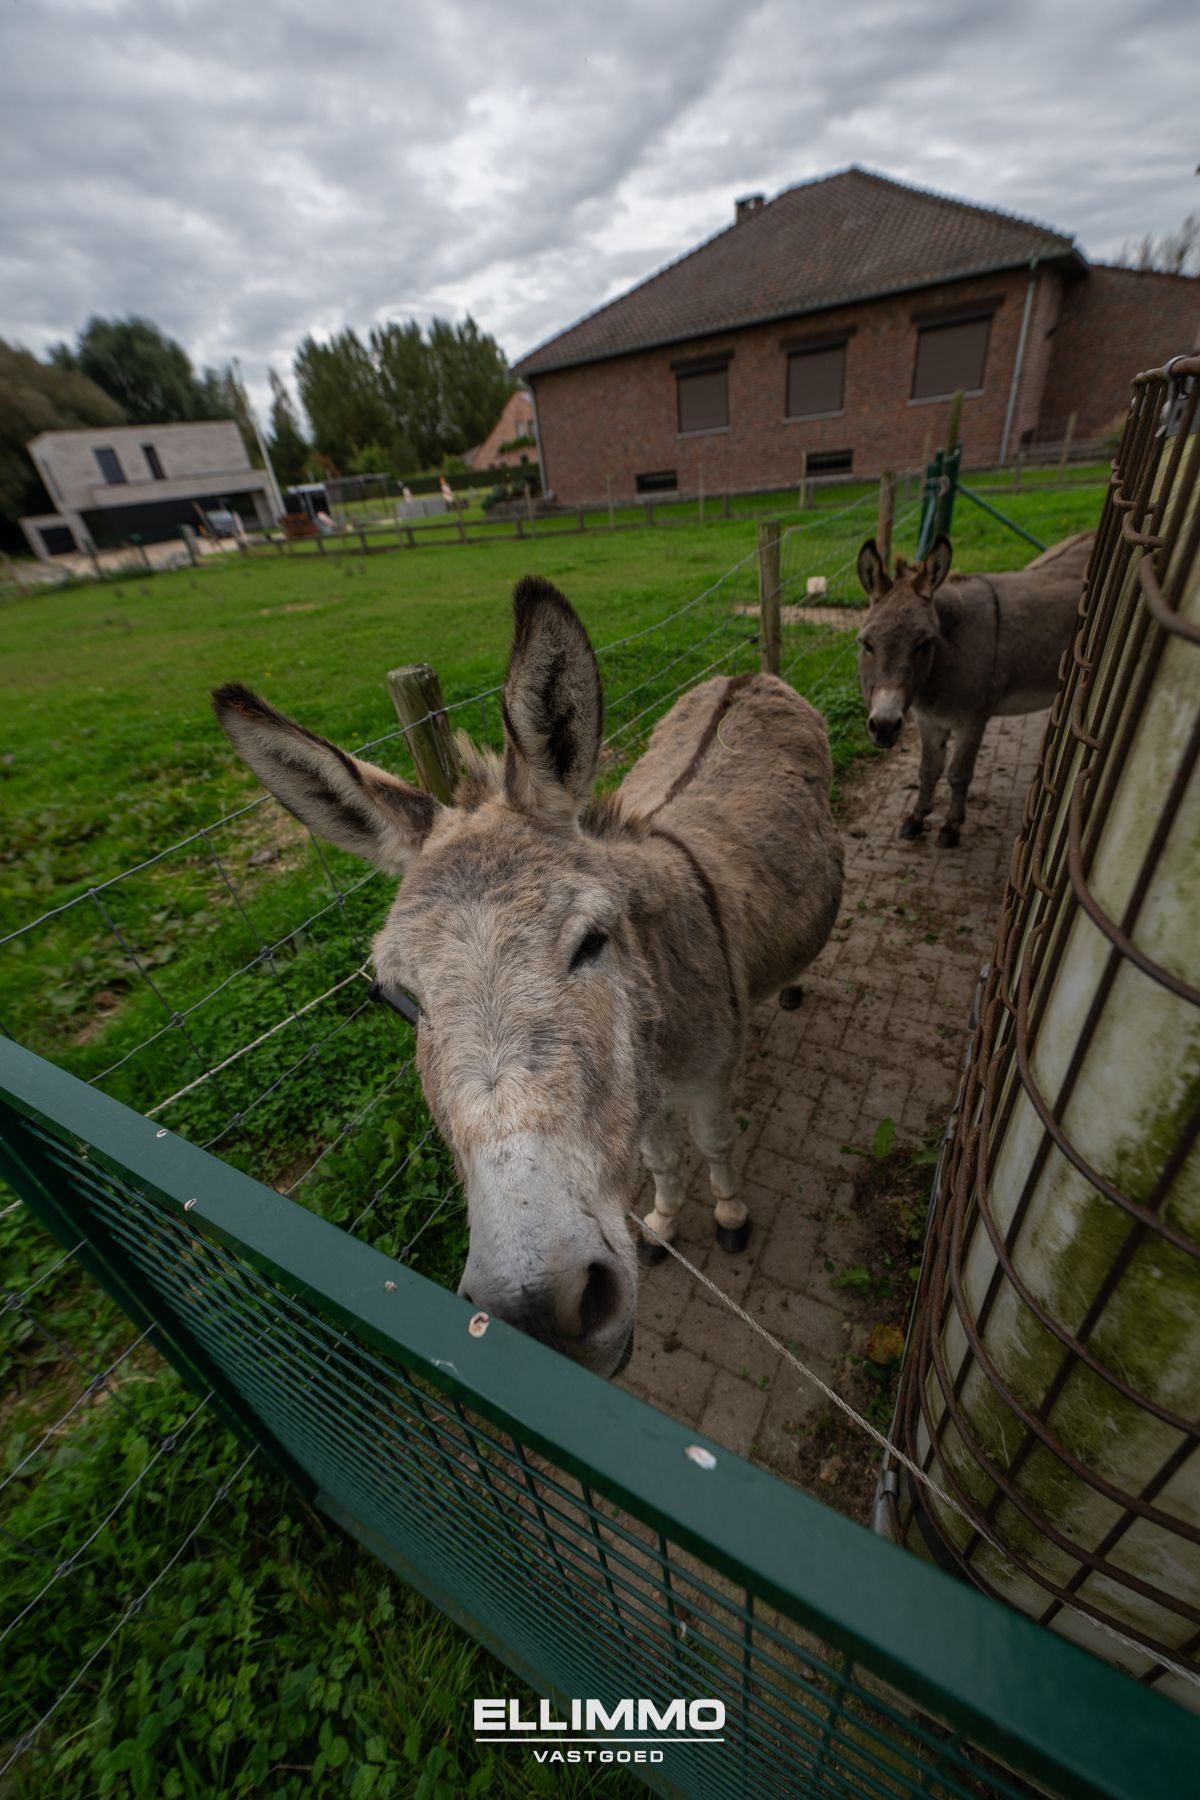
x,y
363,540
582,526
612,517
768,592
458,517
803,498
725,504
887,509
1066,449
1017,471
417,697
529,509
649,512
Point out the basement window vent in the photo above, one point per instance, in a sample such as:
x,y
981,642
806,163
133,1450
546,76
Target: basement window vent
x,y
830,462
659,481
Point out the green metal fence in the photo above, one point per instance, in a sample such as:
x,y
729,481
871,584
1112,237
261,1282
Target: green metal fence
x,y
595,1545
940,488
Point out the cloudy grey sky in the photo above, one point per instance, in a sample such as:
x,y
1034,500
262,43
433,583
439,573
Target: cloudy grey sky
x,y
244,173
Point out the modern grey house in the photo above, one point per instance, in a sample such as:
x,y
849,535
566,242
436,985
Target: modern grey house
x,y
115,483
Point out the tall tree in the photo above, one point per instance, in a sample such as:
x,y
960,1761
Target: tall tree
x,y
289,452
148,374
224,397
36,397
416,397
1174,253
473,382
408,380
339,385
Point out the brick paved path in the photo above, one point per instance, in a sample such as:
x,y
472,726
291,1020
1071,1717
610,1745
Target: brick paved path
x,y
880,1034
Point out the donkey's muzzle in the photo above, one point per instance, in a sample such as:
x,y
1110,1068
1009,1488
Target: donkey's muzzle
x,y
884,732
589,1322
540,1257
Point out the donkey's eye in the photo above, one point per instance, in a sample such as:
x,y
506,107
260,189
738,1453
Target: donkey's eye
x,y
924,644
589,948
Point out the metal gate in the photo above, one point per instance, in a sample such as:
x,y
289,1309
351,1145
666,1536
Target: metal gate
x,y
1053,1380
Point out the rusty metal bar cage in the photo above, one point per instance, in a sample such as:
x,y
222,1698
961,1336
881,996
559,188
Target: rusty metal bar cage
x,y
1052,1384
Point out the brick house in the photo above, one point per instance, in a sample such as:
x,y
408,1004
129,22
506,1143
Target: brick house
x,y
515,424
839,320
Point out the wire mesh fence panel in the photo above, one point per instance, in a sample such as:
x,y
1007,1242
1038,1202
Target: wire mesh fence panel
x,y
1053,1385
593,1543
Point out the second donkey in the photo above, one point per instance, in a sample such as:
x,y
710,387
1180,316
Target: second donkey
x,y
958,651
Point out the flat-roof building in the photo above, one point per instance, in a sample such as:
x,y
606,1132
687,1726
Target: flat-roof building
x,y
111,484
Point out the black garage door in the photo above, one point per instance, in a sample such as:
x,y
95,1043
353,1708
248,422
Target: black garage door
x,y
157,520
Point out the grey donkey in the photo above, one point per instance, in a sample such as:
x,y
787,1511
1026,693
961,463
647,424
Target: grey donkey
x,y
956,652
583,968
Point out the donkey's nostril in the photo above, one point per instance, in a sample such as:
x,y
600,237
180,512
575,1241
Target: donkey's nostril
x,y
600,1300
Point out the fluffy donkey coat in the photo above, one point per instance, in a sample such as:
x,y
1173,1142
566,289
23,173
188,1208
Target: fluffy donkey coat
x,y
584,968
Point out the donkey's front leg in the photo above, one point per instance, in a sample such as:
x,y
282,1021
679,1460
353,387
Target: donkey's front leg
x,y
711,1116
934,738
967,740
662,1153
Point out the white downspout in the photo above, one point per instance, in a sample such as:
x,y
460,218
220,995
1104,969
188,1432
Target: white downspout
x,y
1019,363
537,432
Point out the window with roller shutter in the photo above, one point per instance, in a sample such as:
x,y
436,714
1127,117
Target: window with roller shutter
x,y
951,357
702,394
816,381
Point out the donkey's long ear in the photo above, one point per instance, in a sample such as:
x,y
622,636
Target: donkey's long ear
x,y
353,804
934,570
553,706
871,572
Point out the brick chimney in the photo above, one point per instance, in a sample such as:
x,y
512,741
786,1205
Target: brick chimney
x,y
748,204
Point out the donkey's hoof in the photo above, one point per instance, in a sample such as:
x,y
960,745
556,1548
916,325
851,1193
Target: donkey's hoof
x,y
912,828
947,838
790,998
734,1237
650,1254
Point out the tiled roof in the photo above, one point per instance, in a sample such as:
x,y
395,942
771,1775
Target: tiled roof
x,y
851,236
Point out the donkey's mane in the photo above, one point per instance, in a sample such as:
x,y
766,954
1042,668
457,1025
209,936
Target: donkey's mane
x,y
482,779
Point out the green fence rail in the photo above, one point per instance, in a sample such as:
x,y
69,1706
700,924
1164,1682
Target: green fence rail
x,y
596,1546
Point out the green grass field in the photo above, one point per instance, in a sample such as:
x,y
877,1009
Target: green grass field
x,y
277,1659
